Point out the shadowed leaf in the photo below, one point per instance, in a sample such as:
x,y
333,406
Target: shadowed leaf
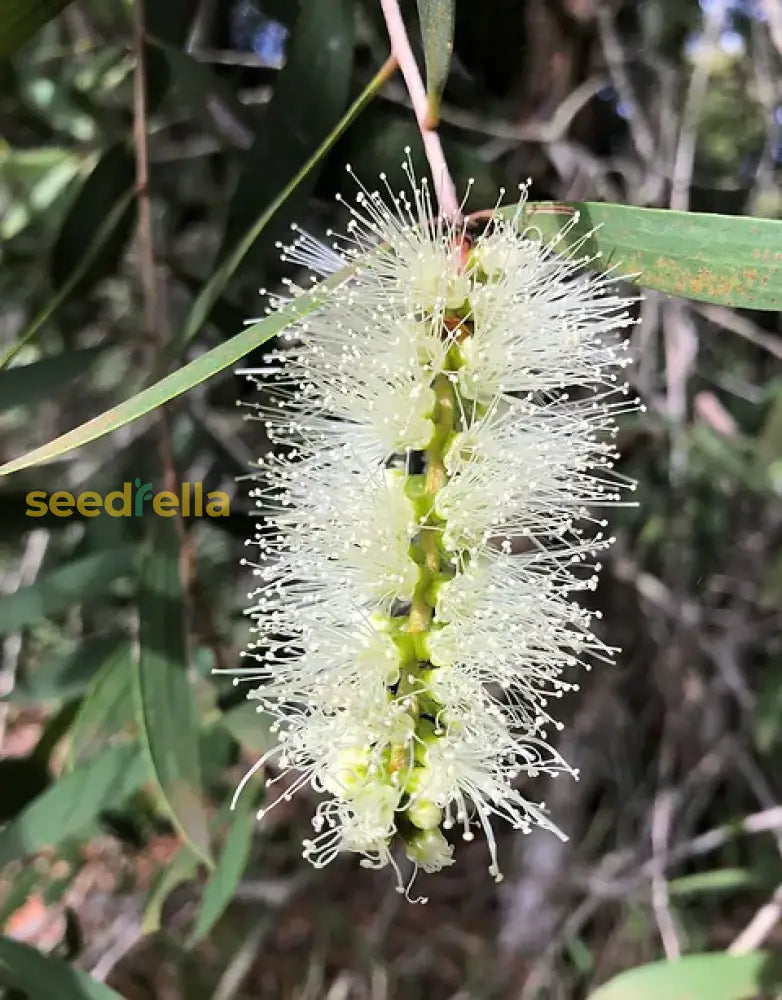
x,y
163,694
26,385
222,884
83,580
20,19
107,706
74,802
306,106
44,977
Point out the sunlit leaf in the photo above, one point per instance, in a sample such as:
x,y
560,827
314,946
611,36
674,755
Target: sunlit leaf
x,y
732,260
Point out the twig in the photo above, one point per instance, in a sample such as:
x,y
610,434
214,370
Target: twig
x,y
640,130
773,12
761,925
661,824
145,239
731,320
400,48
240,965
153,321
544,132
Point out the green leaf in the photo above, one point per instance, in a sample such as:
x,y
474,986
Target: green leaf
x,y
72,804
733,260
250,727
182,868
43,977
107,707
719,880
221,887
308,99
67,675
85,579
713,976
87,258
107,186
164,698
20,19
204,367
27,385
437,22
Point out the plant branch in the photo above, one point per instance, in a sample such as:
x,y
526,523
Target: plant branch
x,y
400,48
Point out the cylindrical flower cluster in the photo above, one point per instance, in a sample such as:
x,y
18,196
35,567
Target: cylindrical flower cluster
x,y
442,425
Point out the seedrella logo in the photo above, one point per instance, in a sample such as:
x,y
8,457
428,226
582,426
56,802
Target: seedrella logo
x,y
133,500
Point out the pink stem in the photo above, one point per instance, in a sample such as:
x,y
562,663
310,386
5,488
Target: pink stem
x,y
400,48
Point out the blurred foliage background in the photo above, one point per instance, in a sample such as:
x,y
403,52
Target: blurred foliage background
x,y
110,627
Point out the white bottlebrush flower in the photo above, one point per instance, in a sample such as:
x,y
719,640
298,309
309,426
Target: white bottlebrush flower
x,y
442,424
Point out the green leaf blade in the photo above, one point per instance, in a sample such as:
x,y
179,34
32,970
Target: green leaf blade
x,y
697,977
437,25
192,374
731,260
221,887
83,580
306,106
45,977
20,19
166,713
73,803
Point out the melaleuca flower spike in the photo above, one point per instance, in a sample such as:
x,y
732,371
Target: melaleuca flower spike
x,y
442,426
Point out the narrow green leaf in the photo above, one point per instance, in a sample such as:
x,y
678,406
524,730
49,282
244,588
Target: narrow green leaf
x,y
86,258
20,19
164,698
437,22
713,976
85,579
221,887
182,868
44,977
719,880
308,100
27,385
732,260
107,707
106,186
72,804
213,289
66,675
204,367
